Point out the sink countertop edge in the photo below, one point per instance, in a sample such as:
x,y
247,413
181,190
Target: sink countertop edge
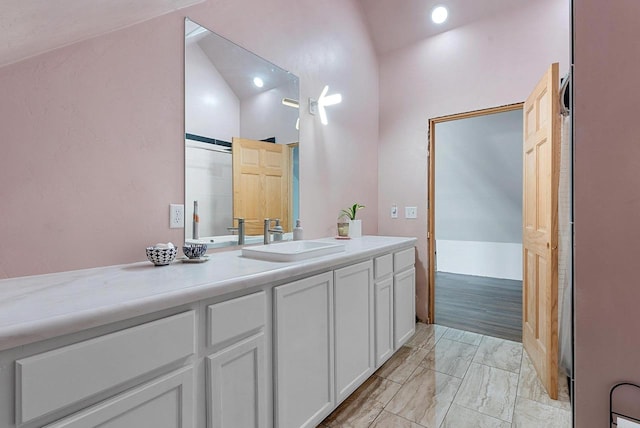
x,y
40,307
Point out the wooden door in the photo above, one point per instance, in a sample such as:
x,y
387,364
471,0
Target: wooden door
x,y
260,183
540,229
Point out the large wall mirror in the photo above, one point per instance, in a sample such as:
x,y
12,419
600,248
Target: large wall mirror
x,y
241,140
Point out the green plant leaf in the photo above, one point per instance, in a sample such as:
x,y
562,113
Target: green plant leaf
x,y
351,211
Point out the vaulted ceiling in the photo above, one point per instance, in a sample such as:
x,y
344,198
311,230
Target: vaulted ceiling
x,y
31,27
396,23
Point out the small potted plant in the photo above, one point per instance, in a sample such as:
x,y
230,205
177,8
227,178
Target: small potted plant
x,y
352,228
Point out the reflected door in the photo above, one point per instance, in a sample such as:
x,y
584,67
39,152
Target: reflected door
x,y
260,183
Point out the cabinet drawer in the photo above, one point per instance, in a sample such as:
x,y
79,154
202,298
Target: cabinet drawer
x,y
164,402
236,318
382,266
59,378
404,259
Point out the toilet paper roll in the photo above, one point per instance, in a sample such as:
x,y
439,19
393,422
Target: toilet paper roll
x,y
625,423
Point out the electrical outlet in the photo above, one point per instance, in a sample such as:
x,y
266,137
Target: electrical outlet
x,y
176,216
410,212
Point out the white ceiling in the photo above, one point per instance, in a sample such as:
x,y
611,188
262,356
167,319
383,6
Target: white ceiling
x,y
396,23
238,66
31,27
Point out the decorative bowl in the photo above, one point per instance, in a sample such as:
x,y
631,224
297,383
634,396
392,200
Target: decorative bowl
x,y
161,256
194,251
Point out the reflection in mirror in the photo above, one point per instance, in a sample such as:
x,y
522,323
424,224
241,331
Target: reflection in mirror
x,y
241,142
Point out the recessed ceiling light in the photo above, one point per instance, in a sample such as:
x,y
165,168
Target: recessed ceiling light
x,y
258,82
439,14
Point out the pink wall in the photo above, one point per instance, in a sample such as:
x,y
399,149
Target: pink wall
x,y
485,64
92,134
607,203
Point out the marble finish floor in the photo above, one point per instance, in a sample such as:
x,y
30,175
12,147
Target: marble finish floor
x,y
448,378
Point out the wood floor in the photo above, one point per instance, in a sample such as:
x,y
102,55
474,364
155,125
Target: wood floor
x,y
489,306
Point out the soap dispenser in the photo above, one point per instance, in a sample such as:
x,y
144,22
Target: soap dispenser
x,y
297,231
278,228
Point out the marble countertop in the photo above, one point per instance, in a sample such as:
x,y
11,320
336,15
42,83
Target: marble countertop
x,y
40,307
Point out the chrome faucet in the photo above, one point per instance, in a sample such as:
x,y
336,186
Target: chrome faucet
x,y
268,231
239,229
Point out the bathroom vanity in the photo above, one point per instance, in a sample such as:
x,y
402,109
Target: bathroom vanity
x,y
233,342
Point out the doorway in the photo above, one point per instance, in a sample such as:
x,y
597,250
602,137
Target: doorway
x,y
476,185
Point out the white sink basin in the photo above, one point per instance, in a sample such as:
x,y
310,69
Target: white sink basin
x,y
292,251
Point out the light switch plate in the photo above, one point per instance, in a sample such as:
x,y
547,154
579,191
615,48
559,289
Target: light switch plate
x,y
394,211
410,212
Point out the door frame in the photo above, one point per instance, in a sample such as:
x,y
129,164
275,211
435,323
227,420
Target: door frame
x,y
431,205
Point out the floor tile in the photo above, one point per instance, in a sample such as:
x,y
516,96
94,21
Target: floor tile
x,y
389,420
425,397
461,417
364,405
530,387
462,336
531,414
499,353
426,335
450,357
402,364
488,390
354,413
378,389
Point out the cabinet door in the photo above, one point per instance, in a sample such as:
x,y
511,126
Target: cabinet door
x,y
353,327
384,320
166,402
303,334
404,310
236,388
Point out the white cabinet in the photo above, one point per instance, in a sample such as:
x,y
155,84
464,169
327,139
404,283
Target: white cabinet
x,y
354,327
383,314
165,402
303,345
404,296
283,356
236,373
57,379
384,320
237,385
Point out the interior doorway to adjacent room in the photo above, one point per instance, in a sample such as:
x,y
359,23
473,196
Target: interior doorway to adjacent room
x,y
477,196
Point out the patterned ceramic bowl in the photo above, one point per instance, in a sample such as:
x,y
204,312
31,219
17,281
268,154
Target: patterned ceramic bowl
x,y
161,256
194,251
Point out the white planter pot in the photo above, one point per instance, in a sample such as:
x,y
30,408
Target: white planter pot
x,y
355,228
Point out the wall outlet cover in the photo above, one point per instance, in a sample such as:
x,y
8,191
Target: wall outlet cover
x,y
176,216
410,212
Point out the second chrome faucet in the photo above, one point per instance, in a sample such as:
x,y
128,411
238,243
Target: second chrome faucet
x,y
239,229
268,231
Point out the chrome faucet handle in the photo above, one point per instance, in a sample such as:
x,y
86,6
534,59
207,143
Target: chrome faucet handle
x,y
239,229
267,236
